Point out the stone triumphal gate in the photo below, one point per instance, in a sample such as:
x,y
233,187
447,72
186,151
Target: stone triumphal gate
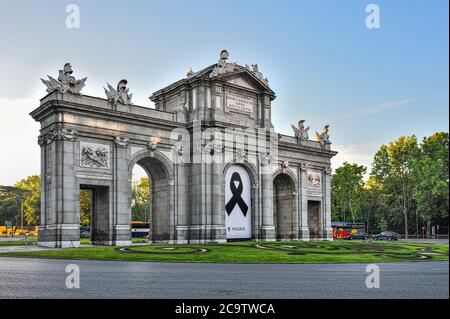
x,y
218,169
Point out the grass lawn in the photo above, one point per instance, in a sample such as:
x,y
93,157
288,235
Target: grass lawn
x,y
33,240
87,241
21,242
254,252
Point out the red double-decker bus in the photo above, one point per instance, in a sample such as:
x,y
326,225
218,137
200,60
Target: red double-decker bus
x,y
342,229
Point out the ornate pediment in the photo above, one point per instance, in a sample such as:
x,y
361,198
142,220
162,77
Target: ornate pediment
x,y
245,76
243,81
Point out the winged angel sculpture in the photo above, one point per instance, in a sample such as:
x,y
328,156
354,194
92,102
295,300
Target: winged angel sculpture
x,y
66,82
121,94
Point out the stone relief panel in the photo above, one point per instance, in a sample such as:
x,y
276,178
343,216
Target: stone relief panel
x,y
94,155
314,180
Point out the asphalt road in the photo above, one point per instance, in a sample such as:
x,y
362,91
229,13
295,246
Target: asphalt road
x,y
43,278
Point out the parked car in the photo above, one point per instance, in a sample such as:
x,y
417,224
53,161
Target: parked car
x,y
387,235
357,236
85,232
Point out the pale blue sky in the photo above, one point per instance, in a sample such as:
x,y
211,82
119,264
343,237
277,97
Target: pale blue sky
x,y
324,64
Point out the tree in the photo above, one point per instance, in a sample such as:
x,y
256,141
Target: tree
x,y
347,186
31,199
28,192
431,177
392,168
9,209
373,205
382,224
85,207
140,199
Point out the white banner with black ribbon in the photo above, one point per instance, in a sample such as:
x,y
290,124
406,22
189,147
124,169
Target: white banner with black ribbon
x,y
238,219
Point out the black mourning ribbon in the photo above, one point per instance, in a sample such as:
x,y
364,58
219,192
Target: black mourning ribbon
x,y
237,192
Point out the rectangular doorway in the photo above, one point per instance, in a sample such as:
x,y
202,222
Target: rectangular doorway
x,y
98,201
314,219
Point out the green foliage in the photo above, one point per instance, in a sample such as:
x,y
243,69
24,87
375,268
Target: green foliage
x,y
31,199
347,184
408,185
382,224
373,206
392,167
28,192
141,199
9,210
431,177
85,207
25,194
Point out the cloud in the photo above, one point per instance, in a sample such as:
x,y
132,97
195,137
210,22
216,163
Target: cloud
x,y
20,154
361,154
387,106
370,110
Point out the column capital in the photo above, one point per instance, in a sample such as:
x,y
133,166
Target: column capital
x,y
58,134
266,159
68,134
42,140
121,141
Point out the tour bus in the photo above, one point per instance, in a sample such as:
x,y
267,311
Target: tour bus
x,y
140,229
342,229
11,231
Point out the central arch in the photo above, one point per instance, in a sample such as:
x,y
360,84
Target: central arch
x,y
250,169
160,174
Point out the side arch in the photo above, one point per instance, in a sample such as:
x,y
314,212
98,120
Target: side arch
x,y
161,174
143,154
288,172
285,203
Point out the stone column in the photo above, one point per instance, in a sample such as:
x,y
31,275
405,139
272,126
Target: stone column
x,y
303,214
61,226
172,217
181,159
196,185
218,231
256,214
42,141
267,229
182,189
121,223
295,218
327,230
